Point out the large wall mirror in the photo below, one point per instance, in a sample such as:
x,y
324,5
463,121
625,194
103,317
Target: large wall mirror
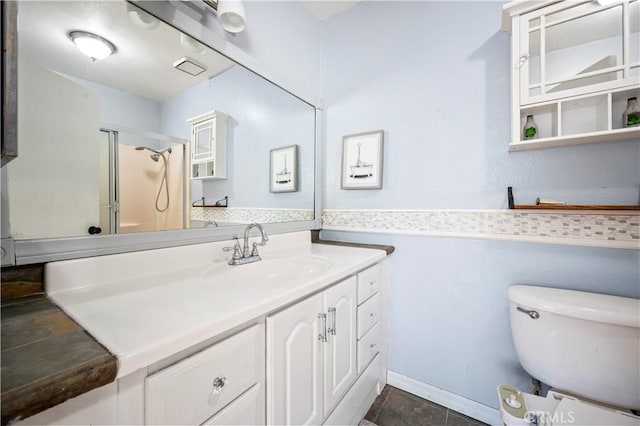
x,y
105,145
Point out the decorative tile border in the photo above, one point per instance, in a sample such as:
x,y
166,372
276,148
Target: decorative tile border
x,y
599,229
248,215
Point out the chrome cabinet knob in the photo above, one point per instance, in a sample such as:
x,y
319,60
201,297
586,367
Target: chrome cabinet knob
x,y
218,384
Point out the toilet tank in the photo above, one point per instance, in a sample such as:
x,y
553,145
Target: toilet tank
x,y
586,344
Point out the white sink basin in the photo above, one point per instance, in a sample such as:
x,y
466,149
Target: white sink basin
x,y
279,270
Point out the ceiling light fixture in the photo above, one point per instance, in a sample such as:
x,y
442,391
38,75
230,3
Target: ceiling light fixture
x,y
231,15
92,45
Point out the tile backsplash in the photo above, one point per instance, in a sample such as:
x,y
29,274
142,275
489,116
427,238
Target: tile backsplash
x,y
248,215
602,229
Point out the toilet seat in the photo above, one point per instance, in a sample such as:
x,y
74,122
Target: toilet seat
x,y
557,409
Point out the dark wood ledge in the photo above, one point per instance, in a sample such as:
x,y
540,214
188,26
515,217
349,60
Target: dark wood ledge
x,y
315,239
47,358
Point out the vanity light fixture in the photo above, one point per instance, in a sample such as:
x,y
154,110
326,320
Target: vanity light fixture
x,y
191,44
231,15
142,18
92,45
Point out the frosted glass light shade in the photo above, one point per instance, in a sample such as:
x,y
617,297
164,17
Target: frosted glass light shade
x,y
231,15
92,45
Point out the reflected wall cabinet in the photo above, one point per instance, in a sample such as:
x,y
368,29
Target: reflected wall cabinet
x,y
209,145
574,66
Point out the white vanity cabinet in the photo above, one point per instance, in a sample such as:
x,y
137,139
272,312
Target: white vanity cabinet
x,y
209,145
369,316
233,351
322,354
574,65
311,355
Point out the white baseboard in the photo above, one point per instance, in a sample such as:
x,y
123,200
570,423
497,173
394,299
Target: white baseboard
x,y
450,400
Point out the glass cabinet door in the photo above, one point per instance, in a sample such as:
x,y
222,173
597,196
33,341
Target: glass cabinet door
x,y
577,47
203,141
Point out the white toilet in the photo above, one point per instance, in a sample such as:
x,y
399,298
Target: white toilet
x,y
586,346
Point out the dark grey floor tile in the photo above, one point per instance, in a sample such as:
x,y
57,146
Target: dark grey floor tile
x,y
374,411
456,419
401,408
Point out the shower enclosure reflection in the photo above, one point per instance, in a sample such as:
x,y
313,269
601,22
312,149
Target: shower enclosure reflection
x,y
142,185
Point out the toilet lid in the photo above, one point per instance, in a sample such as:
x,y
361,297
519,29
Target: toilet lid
x,y
573,412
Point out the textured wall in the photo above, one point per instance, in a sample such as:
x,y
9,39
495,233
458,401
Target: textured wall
x,y
435,77
439,87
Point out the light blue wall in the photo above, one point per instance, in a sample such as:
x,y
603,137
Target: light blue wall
x,y
262,117
125,109
285,37
449,320
435,77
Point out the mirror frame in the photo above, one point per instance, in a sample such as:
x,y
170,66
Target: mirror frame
x,y
185,17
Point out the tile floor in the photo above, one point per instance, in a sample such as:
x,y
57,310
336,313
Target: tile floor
x,y
395,407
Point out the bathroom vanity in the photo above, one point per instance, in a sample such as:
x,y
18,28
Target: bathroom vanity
x,y
296,338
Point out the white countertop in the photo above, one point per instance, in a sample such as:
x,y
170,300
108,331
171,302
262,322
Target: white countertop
x,y
147,306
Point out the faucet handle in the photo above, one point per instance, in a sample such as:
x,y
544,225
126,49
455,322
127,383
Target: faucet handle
x,y
237,253
254,249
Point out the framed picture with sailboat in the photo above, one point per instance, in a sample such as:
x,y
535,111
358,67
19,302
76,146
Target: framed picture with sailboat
x,y
284,169
362,160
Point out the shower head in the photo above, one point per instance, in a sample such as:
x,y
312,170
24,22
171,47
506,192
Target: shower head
x,y
156,154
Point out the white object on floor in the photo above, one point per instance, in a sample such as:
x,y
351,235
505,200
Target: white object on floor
x,y
558,409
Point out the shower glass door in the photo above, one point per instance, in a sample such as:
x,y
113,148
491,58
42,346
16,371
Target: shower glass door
x,y
108,182
151,183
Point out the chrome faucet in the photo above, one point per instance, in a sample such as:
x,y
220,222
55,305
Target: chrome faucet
x,y
246,256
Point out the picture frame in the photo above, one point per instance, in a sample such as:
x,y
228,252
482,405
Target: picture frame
x,y
362,155
283,169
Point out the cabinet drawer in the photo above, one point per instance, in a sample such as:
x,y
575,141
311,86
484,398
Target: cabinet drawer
x,y
368,283
368,347
246,410
368,314
184,393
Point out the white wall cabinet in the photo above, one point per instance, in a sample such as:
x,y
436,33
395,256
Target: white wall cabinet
x,y
312,356
209,145
573,67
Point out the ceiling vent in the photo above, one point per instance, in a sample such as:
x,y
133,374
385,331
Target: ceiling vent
x,y
190,66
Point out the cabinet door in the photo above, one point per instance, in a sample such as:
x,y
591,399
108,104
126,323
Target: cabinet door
x,y
572,48
294,394
202,141
340,349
